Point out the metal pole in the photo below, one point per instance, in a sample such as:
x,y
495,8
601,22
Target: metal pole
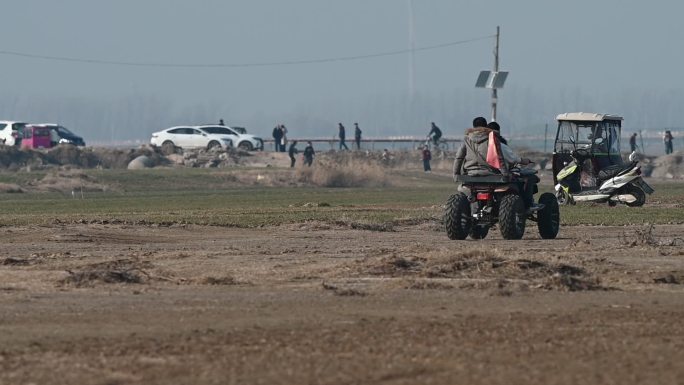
x,y
546,131
496,69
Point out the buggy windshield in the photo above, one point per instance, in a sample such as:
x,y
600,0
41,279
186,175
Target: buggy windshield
x,y
572,135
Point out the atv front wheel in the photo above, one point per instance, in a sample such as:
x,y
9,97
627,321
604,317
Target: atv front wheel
x,y
512,216
548,218
457,219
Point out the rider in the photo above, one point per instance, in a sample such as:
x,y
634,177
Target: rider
x,y
435,134
471,158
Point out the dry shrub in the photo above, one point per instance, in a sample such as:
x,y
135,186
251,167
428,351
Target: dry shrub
x,y
119,271
347,173
482,268
344,292
10,188
68,182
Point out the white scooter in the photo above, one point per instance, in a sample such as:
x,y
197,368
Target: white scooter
x,y
615,184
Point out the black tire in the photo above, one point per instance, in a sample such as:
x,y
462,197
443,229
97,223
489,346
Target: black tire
x,y
213,144
247,146
168,147
637,193
479,232
457,219
512,216
548,218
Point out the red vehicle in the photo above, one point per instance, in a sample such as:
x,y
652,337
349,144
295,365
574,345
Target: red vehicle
x,y
35,136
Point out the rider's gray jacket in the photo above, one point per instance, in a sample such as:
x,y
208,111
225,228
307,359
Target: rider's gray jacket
x,y
471,158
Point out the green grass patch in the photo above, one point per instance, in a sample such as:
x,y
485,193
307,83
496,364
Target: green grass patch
x,y
210,197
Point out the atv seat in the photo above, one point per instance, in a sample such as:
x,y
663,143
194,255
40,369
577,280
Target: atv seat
x,y
487,179
613,171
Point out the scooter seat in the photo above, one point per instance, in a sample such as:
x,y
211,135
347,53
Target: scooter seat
x,y
613,171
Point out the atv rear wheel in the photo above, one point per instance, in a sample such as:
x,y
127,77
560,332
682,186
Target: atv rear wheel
x,y
548,218
457,219
512,216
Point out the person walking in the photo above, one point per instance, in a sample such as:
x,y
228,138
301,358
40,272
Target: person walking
x,y
427,157
221,122
357,136
632,142
342,135
277,135
309,154
292,151
667,139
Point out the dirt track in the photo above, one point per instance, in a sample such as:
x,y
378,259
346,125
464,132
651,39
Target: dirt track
x,y
319,304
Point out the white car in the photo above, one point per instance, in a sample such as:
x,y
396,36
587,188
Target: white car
x,y
10,131
240,139
189,137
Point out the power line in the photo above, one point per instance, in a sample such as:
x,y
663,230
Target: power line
x,y
240,65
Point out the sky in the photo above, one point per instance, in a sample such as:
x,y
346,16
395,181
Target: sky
x,y
611,56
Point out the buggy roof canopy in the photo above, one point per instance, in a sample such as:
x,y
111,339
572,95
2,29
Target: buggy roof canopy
x,y
587,117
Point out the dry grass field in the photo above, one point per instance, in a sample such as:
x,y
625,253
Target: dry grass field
x,y
201,277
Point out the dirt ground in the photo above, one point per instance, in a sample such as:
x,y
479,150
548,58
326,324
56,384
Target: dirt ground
x,y
319,304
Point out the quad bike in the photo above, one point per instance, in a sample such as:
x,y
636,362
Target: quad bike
x,y
495,200
588,165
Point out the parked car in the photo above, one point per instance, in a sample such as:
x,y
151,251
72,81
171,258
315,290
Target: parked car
x,y
61,134
243,141
36,136
10,132
189,137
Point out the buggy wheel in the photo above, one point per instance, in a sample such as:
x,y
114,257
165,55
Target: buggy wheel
x,y
548,218
636,192
457,218
479,232
512,216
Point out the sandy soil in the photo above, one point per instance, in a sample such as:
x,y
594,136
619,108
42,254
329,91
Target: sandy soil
x,y
319,304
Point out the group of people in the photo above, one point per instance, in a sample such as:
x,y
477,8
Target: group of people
x,y
667,140
473,157
308,153
280,137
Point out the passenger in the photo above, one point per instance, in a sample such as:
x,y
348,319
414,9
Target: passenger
x,y
495,126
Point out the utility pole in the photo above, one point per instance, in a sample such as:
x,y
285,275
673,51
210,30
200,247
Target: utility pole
x,y
496,70
493,79
412,57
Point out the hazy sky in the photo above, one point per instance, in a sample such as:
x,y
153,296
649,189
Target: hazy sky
x,y
580,46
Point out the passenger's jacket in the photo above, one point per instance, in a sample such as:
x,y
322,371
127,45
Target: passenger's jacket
x,y
471,158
